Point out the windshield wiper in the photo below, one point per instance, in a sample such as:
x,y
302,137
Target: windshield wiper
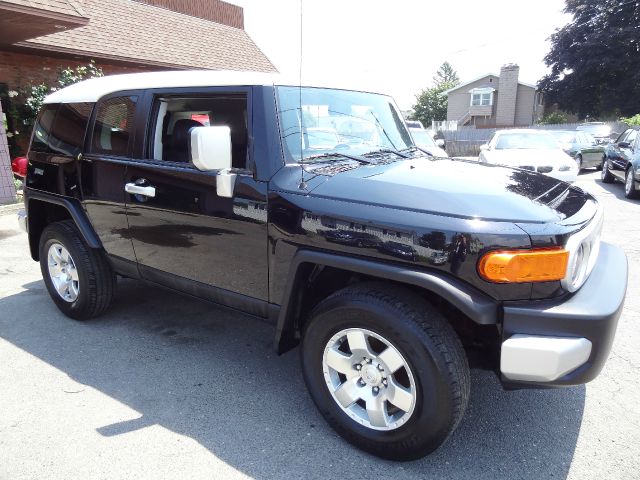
x,y
337,154
387,150
415,148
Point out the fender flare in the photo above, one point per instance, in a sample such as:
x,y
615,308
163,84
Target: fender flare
x,y
75,210
478,306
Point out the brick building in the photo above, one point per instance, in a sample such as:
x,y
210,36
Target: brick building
x,y
40,37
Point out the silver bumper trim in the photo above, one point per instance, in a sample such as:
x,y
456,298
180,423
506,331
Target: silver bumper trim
x,y
542,359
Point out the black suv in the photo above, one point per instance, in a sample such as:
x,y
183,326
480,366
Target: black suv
x,y
390,268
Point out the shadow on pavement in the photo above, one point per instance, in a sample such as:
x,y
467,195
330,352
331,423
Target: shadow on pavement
x,y
617,189
212,375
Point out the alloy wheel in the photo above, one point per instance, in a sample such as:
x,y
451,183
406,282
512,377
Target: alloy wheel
x,y
369,379
63,272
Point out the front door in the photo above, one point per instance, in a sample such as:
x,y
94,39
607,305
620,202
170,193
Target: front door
x,y
184,235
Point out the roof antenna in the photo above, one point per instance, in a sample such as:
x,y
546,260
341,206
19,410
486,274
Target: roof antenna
x,y
303,184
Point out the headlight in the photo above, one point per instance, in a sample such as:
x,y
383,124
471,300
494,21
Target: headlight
x,y
564,168
583,247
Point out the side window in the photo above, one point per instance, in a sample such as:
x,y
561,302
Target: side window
x,y
114,126
42,129
175,117
623,136
631,137
69,127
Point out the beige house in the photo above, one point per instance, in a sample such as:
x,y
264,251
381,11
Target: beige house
x,y
495,101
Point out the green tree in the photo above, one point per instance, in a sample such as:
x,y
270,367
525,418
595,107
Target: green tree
x,y
632,121
431,104
553,118
595,59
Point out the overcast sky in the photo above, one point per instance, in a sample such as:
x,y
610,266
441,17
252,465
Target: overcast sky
x,y
395,46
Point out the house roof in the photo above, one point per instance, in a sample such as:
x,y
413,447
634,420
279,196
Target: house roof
x,y
129,31
486,75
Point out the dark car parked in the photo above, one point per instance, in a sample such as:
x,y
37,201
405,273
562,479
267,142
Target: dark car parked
x,y
582,146
622,162
400,250
122,180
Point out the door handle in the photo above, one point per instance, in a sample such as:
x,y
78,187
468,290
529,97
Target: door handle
x,y
140,190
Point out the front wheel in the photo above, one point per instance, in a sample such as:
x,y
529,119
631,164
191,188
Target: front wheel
x,y
386,370
605,174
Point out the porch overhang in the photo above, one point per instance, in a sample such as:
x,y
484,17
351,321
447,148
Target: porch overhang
x,y
19,21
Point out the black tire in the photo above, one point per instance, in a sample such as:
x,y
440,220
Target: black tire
x,y
423,337
599,166
96,279
630,193
606,175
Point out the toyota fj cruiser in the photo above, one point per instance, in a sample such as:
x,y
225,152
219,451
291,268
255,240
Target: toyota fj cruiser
x,y
390,268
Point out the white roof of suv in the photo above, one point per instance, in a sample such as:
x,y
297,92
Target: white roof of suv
x,y
95,88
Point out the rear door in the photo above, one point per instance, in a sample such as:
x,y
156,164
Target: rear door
x,y
184,235
102,172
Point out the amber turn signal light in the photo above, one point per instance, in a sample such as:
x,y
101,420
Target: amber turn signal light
x,y
518,266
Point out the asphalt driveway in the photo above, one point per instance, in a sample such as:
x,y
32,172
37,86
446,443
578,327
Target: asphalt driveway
x,y
165,386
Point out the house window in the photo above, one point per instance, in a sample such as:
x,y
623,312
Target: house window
x,y
481,97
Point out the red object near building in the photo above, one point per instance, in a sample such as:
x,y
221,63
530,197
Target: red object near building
x,y
19,166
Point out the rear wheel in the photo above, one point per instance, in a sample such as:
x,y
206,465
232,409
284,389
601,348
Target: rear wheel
x,y
629,187
79,279
605,174
386,370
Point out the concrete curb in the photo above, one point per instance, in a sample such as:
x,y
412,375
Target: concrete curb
x,y
11,208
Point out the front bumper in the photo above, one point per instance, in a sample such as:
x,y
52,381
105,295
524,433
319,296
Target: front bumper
x,y
566,341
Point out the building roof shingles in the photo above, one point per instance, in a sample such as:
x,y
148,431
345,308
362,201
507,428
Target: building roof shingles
x,y
132,31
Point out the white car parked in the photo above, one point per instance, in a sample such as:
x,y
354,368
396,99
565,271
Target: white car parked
x,y
535,150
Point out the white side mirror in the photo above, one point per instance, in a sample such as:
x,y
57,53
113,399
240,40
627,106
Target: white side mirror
x,y
211,150
440,142
484,147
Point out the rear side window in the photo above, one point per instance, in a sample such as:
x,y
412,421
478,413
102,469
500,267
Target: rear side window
x,y
60,128
113,127
69,128
42,129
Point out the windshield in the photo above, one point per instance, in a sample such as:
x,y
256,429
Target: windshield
x,y
338,122
526,141
564,137
422,138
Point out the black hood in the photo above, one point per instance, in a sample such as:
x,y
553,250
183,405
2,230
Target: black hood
x,y
457,188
